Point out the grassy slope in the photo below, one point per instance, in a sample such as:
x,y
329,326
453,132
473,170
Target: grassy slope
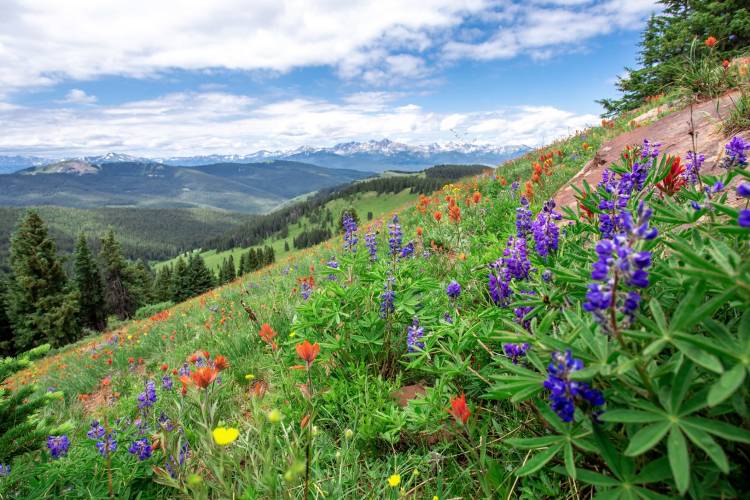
x,y
348,469
362,203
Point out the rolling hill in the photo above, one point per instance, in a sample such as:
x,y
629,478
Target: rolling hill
x,y
240,187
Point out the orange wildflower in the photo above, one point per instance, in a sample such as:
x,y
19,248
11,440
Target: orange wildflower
x,y
308,352
455,213
438,215
476,197
221,363
458,408
203,376
710,41
419,231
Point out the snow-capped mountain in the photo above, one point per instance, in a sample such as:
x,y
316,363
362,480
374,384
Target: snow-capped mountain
x,y
365,156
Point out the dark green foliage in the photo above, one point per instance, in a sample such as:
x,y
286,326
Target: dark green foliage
x,y
163,284
369,216
312,237
667,39
119,299
139,280
18,432
180,285
228,271
200,278
88,281
6,331
286,243
41,306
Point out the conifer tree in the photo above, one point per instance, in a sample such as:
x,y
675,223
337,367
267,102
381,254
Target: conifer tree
x,y
41,306
180,286
163,284
231,270
200,279
6,331
286,246
18,432
139,280
252,260
88,281
118,298
243,265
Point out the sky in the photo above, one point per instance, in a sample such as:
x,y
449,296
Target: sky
x,y
200,77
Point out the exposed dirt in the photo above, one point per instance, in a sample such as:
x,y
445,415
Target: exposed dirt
x,y
672,132
406,393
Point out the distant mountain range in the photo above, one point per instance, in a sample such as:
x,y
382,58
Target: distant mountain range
x,y
122,181
371,156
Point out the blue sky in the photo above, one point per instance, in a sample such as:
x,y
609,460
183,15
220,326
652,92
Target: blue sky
x,y
223,77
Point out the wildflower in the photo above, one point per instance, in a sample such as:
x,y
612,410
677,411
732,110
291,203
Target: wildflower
x,y
743,218
4,470
58,445
458,408
514,264
108,444
523,218
735,153
693,167
515,351
221,363
141,448
454,213
710,41
394,235
267,334
725,64
308,352
394,480
204,376
147,398
249,376
224,436
419,231
386,298
546,233
476,197
165,422
514,186
674,179
453,290
274,416
184,370
565,393
166,382
164,367
372,246
350,235
448,318
348,433
414,336
407,250
743,190
547,275
437,215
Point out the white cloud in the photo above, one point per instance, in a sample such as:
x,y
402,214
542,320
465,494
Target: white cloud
x,y
384,42
78,96
215,122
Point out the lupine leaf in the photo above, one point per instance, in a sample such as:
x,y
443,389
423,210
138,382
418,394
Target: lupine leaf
x,y
630,416
647,438
539,460
679,460
537,442
717,428
570,463
705,442
729,382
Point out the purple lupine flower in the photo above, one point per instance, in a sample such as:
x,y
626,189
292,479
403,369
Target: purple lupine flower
x,y
520,313
743,218
394,236
608,181
523,218
453,290
515,351
448,318
545,231
333,264
58,446
407,250
165,422
141,448
696,206
514,264
166,382
350,235
147,398
743,190
96,431
650,149
386,298
547,275
305,290
108,444
735,153
372,246
717,187
184,370
565,393
4,470
514,186
693,166
414,336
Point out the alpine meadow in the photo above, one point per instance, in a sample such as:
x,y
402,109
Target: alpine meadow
x,y
430,250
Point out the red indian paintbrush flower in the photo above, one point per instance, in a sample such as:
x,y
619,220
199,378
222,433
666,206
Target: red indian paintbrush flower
x,y
203,376
307,351
710,41
437,215
459,409
221,363
674,181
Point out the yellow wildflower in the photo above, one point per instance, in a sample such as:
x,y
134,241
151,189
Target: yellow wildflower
x,y
394,480
225,435
274,416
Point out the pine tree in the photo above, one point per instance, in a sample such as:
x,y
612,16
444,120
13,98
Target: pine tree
x,y
200,278
180,286
41,306
231,270
88,281
19,432
252,260
286,246
243,265
162,289
6,331
119,299
139,279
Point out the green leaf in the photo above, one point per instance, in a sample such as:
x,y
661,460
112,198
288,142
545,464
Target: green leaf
x,y
591,477
630,416
658,313
680,385
647,438
570,463
537,442
699,356
705,442
679,460
717,428
539,460
729,382
655,471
